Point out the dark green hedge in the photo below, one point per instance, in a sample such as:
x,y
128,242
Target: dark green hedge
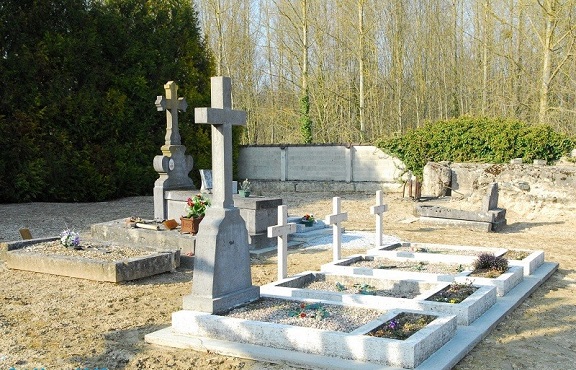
x,y
484,140
78,80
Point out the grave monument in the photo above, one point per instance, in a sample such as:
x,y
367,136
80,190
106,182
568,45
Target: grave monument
x,y
173,165
222,276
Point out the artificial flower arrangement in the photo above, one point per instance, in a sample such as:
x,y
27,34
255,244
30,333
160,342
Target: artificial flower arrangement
x,y
196,207
308,217
245,185
70,239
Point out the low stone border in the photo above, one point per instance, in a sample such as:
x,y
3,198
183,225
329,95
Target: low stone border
x,y
343,267
466,311
408,353
84,268
503,283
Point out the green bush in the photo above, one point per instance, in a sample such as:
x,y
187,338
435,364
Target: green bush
x,y
79,80
484,140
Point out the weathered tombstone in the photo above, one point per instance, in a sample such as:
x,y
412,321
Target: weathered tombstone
x,y
436,178
378,210
335,219
173,165
490,200
281,231
222,276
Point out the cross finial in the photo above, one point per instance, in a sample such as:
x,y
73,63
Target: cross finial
x,y
171,104
221,116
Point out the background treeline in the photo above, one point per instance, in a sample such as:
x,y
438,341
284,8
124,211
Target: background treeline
x,y
78,80
360,70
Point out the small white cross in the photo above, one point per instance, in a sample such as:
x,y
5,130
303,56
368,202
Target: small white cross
x,y
378,210
335,219
281,231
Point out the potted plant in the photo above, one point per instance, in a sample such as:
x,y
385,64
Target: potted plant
x,y
195,210
308,219
244,188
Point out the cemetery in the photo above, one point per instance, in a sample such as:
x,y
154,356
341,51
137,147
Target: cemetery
x,y
221,313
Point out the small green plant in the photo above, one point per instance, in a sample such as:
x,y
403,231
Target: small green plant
x,y
402,326
365,289
488,261
454,293
313,310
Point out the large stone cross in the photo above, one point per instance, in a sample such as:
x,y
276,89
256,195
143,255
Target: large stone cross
x,y
335,219
221,116
378,210
171,104
281,231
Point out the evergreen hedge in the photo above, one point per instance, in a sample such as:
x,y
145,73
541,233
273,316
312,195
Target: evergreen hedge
x,y
78,81
469,139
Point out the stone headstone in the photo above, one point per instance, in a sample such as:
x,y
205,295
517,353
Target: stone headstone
x,y
173,165
490,200
516,161
222,275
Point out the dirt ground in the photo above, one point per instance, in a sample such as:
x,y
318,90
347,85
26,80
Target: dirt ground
x,y
64,323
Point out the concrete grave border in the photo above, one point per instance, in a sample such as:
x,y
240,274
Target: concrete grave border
x,y
90,269
342,266
445,358
354,346
466,311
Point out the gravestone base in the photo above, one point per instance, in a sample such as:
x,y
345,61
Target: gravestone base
x,y
222,275
257,212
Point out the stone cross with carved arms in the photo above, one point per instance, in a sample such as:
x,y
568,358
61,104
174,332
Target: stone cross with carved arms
x,y
171,104
221,116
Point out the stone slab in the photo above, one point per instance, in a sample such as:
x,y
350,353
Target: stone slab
x,y
83,268
470,225
116,231
466,311
464,340
492,216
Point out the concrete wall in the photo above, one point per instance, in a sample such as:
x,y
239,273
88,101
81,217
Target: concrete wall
x,y
338,163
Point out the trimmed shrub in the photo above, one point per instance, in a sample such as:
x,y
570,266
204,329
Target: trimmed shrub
x,y
469,139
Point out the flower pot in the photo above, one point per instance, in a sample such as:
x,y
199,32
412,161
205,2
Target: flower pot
x,y
244,193
307,223
190,225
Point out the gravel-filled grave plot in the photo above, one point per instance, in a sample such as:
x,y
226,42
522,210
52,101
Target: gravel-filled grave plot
x,y
410,266
312,315
408,289
92,260
89,250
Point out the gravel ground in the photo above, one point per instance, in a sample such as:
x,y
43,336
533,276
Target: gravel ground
x,y
64,323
